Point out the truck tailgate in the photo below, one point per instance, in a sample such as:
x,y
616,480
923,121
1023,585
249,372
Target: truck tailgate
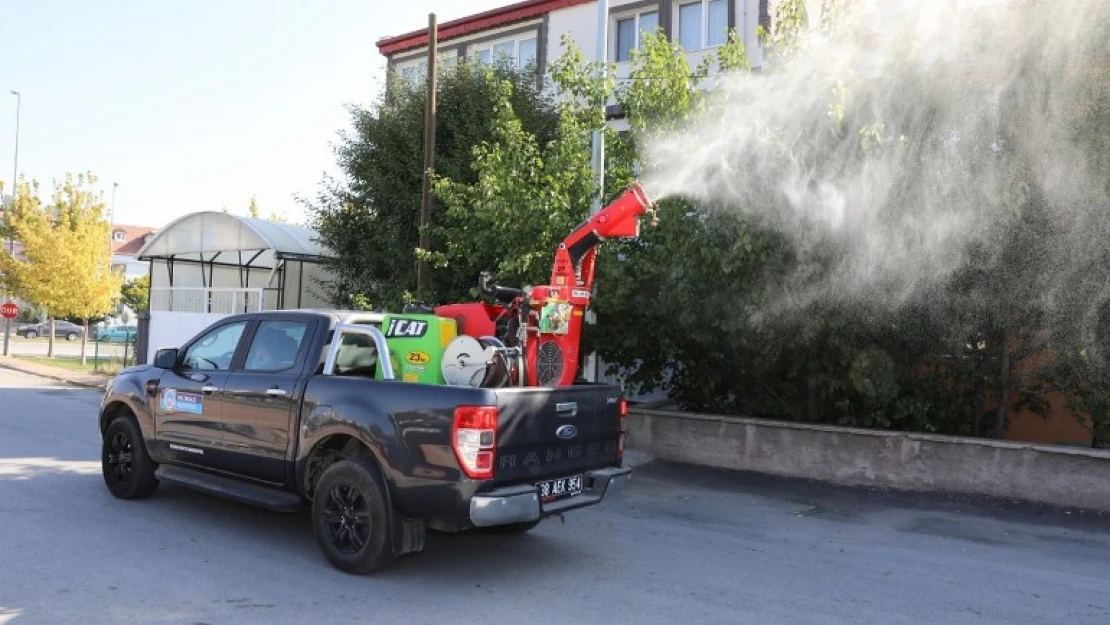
x,y
552,433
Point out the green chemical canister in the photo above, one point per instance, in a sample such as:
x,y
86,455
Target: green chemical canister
x,y
416,344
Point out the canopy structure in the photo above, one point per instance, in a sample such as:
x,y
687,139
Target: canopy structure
x,y
211,235
213,261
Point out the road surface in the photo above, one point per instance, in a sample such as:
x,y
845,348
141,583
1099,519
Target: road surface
x,y
680,546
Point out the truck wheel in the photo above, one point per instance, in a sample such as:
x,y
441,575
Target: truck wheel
x,y
351,517
128,470
512,528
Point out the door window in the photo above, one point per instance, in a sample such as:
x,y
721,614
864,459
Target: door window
x,y
215,350
275,345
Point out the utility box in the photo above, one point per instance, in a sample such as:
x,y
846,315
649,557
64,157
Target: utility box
x,y
416,343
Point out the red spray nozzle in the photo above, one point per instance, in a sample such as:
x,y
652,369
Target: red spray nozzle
x,y
633,202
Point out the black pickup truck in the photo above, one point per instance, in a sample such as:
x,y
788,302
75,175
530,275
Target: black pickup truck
x,y
282,410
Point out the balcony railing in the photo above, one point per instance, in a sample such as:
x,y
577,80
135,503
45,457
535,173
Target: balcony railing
x,y
211,300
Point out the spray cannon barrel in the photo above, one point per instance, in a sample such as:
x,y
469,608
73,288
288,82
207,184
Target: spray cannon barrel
x,y
620,217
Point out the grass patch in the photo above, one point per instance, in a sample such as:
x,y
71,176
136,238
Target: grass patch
x,y
105,366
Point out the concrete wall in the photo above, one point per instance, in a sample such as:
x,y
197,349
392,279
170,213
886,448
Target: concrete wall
x,y
1061,476
580,22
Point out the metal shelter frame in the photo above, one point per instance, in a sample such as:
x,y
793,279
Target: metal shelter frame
x,y
211,239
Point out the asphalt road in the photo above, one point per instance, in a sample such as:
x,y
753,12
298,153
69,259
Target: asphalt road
x,y
680,546
62,347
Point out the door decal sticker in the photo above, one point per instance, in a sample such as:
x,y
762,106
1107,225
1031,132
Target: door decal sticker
x,y
179,401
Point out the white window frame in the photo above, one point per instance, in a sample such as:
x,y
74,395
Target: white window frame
x,y
415,68
488,46
119,236
703,31
635,14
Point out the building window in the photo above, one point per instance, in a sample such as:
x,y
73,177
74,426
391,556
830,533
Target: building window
x,y
702,24
119,236
517,52
629,32
526,53
414,71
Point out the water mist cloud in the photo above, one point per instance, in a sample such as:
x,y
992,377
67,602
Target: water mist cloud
x,y
953,114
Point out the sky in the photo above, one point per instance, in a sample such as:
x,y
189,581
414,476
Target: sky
x,y
194,105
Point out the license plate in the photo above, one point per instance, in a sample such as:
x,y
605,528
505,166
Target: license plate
x,y
550,490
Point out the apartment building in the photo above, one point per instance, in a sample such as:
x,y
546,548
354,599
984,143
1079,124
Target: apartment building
x,y
531,32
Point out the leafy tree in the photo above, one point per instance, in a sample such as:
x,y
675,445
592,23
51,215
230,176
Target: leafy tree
x,y
135,294
370,219
67,266
252,208
529,190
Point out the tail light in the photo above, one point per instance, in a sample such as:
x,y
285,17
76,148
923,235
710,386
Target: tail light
x,y
624,428
474,439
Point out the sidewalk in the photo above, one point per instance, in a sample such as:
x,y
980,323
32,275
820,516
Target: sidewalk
x,y
90,380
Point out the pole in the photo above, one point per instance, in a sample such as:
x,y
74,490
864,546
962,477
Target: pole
x,y
112,216
11,240
598,158
423,277
597,161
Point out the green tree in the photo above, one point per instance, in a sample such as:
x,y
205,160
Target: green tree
x,y
67,253
527,192
369,221
135,294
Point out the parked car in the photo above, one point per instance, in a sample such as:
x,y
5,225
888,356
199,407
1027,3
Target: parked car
x,y
62,329
118,334
288,410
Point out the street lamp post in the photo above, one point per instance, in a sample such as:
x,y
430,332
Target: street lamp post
x,y
11,240
112,214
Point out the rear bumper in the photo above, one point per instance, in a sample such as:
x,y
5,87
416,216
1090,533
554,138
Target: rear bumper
x,y
521,504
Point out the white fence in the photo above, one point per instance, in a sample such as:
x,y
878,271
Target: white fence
x,y
208,300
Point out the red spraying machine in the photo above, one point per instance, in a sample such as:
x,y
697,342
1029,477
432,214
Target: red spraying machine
x,y
531,336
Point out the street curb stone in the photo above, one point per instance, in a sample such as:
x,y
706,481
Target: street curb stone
x,y
7,362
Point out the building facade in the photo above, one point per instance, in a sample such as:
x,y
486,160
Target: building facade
x,y
531,32
126,243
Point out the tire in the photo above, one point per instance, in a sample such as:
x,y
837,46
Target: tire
x,y
31,334
127,468
72,336
351,517
513,529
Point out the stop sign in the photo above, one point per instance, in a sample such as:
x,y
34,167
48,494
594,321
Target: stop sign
x,y
9,310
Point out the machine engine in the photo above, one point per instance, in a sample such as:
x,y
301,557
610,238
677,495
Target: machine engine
x,y
531,336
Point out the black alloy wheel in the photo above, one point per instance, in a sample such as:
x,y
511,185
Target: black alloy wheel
x,y
128,470
347,516
351,517
119,456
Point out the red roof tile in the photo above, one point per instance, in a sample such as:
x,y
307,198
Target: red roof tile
x,y
135,237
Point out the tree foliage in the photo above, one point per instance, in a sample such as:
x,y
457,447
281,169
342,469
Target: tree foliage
x,y
66,268
135,294
369,219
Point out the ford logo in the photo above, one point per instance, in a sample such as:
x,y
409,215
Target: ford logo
x,y
566,432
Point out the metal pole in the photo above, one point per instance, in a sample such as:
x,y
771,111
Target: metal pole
x,y
112,216
598,158
11,240
423,277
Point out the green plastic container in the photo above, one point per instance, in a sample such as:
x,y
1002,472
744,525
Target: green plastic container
x,y
416,344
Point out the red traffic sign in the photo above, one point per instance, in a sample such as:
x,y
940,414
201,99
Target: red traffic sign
x,y
9,310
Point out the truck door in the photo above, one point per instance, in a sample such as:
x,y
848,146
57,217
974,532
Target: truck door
x,y
261,397
189,409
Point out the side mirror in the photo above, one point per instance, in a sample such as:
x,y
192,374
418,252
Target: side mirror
x,y
165,358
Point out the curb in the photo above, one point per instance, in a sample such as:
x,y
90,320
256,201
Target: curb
x,y
6,364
